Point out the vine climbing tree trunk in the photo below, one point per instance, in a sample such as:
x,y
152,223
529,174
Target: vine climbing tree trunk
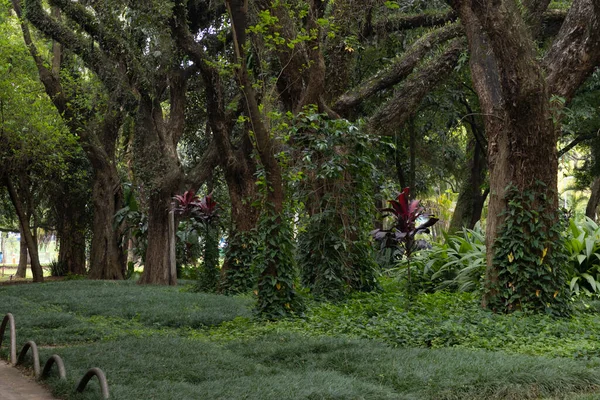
x,y
514,93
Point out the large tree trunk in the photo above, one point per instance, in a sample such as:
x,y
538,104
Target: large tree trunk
x,y
158,167
592,205
70,229
157,265
515,103
71,250
107,258
471,197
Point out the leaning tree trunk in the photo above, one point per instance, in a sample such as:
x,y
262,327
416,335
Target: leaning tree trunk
x,y
592,205
23,256
471,197
36,268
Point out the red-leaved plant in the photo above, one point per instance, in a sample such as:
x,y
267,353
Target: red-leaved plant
x,y
191,206
403,231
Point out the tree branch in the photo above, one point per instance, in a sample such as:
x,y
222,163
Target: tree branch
x,y
97,61
397,71
403,22
407,98
576,51
576,141
202,171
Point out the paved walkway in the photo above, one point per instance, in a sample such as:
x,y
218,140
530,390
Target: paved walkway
x,y
16,386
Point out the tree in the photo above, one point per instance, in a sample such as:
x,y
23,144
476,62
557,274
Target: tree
x,y
515,90
141,78
35,145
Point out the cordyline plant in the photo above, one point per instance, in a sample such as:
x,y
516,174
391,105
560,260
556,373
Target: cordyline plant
x,y
188,205
403,231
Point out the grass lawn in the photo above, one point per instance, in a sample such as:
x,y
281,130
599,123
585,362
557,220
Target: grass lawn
x,y
8,270
167,343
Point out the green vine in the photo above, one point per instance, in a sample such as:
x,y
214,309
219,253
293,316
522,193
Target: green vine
x,y
333,180
239,277
530,259
274,264
208,278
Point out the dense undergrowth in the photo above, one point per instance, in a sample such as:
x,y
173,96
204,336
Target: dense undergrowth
x,y
167,343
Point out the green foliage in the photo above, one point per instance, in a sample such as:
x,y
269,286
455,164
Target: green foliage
x,y
333,180
457,264
530,258
404,229
240,277
199,221
58,268
583,245
208,279
275,266
133,221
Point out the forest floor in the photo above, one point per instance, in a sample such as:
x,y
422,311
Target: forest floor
x,y
171,343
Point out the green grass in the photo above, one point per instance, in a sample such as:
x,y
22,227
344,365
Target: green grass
x,y
165,343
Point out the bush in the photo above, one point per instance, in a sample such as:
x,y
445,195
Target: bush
x,y
58,268
458,264
583,245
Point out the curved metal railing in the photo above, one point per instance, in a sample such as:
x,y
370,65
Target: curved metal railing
x,y
8,318
54,359
88,375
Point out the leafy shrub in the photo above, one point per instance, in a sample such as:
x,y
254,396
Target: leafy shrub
x,y
333,179
403,232
457,264
58,268
199,221
583,245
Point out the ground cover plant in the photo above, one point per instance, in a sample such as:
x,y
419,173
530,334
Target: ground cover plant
x,y
169,343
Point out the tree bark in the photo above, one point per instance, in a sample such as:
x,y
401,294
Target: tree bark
x,y
162,178
157,266
107,257
471,198
515,99
592,205
71,238
23,256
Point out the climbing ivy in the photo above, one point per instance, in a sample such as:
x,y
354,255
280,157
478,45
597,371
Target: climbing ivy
x,y
530,259
275,266
334,180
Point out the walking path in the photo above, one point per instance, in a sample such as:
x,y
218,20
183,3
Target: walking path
x,y
16,386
